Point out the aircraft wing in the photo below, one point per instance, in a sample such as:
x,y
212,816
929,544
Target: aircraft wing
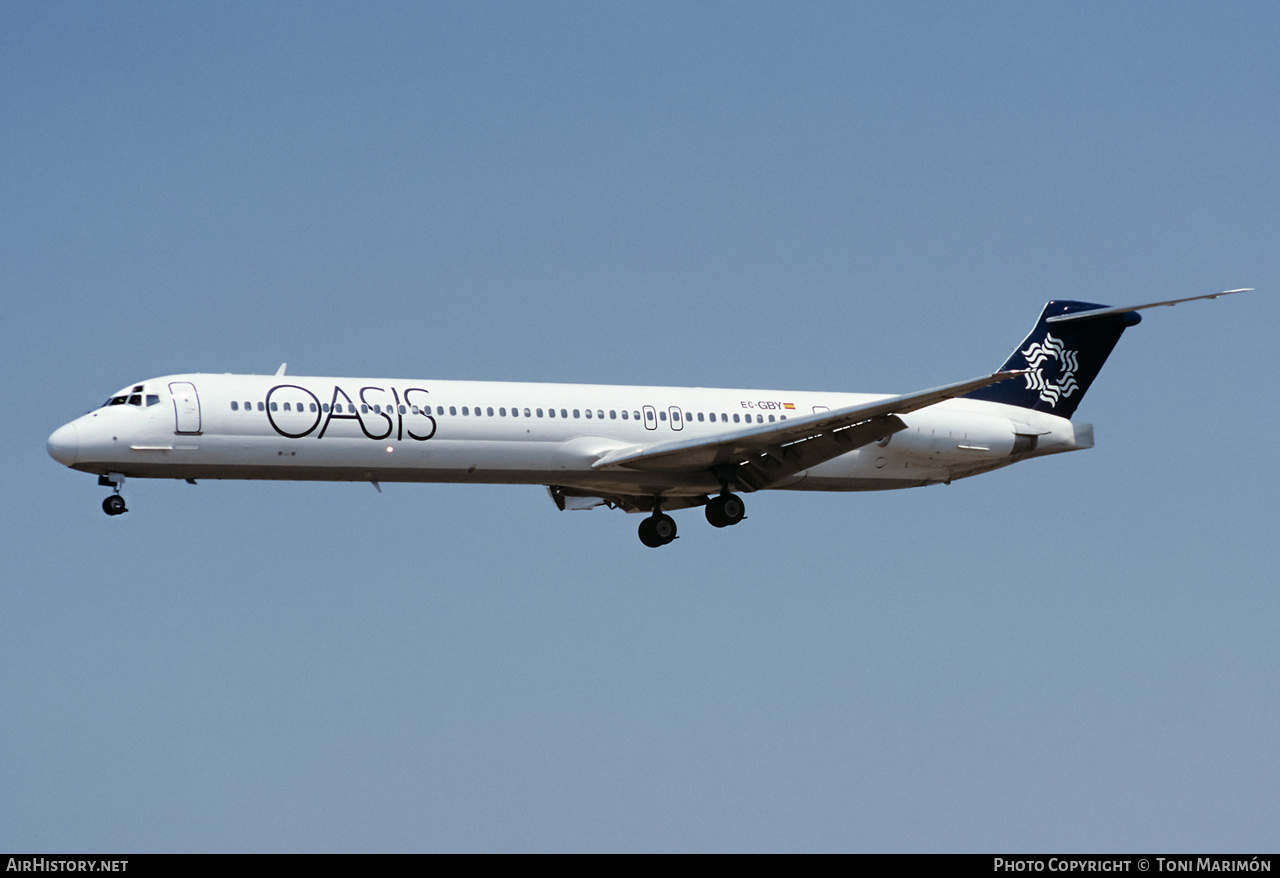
x,y
758,456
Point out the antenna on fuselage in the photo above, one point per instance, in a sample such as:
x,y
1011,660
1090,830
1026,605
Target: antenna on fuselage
x,y
280,371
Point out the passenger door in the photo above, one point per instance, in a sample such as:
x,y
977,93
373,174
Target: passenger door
x,y
186,407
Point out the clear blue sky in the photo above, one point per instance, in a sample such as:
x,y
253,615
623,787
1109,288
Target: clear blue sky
x,y
1078,653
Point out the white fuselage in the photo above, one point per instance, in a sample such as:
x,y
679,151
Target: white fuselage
x,y
203,426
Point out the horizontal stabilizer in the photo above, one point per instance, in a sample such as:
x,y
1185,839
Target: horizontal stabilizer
x,y
1106,312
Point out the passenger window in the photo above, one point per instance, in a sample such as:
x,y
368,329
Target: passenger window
x,y
489,411
261,406
235,406
439,410
662,415
699,416
624,414
735,419
613,414
311,406
588,413
453,410
275,407
502,411
286,407
635,415
464,411
551,413
539,412
576,413
770,419
526,413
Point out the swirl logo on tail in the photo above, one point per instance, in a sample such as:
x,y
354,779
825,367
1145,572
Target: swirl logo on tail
x,y
1051,349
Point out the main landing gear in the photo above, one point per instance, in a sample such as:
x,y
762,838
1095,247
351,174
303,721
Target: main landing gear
x,y
657,530
726,510
723,511
114,504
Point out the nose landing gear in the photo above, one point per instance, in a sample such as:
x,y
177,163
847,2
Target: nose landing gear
x,y
114,504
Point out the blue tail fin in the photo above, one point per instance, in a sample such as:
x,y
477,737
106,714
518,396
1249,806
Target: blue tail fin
x,y
1063,356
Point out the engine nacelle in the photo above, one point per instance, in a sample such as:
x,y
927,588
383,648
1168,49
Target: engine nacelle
x,y
959,437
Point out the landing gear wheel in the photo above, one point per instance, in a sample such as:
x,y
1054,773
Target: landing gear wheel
x,y
657,530
647,534
114,505
725,510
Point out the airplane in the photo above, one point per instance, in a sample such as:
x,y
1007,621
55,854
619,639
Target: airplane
x,y
641,449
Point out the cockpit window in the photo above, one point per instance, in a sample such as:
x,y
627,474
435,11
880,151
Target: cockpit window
x,y
134,397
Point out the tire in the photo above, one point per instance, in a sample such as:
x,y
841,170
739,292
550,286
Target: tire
x,y
733,509
725,510
715,514
664,527
648,535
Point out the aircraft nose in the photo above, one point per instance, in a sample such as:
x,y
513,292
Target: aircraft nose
x,y
64,444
